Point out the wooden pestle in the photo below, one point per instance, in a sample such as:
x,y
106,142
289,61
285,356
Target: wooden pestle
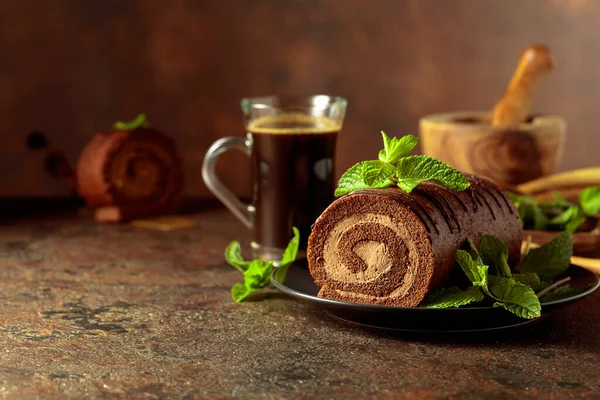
x,y
513,108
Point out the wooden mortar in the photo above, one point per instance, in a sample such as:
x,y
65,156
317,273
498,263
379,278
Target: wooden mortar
x,y
507,145
507,155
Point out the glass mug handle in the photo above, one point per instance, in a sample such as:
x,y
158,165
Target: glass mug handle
x,y
243,211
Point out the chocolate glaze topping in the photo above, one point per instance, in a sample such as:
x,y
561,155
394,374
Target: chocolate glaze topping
x,y
497,193
473,198
429,195
451,211
458,199
482,200
432,195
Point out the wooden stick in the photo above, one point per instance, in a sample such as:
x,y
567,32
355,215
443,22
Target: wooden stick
x,y
554,285
579,177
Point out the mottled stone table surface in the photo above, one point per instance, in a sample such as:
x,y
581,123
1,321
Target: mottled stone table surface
x,y
99,311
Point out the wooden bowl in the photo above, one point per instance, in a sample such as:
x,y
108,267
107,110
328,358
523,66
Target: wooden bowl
x,y
508,155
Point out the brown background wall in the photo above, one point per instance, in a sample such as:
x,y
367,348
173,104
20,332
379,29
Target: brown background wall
x,y
71,67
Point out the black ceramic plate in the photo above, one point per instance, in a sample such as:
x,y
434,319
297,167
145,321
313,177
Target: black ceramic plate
x,y
299,284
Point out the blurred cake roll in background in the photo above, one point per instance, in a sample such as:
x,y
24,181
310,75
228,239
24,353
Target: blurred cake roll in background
x,y
132,172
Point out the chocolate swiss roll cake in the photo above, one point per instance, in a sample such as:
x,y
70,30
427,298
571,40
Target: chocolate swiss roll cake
x,y
387,247
130,174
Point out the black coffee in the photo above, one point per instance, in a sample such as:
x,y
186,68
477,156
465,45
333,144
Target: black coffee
x,y
293,170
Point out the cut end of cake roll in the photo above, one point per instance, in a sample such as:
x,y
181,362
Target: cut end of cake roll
x,y
368,248
134,174
387,247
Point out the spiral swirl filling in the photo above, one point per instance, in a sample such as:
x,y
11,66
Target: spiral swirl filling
x,y
130,173
141,175
373,256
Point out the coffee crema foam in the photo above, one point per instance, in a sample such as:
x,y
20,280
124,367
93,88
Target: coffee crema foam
x,y
293,123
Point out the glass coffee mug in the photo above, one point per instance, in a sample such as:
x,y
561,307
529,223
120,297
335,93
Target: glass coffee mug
x,y
291,144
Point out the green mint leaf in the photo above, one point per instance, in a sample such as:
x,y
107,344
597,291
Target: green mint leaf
x,y
576,222
452,297
474,268
377,173
550,260
257,273
413,170
540,221
239,292
560,199
515,297
233,256
474,253
365,175
570,219
562,292
256,277
494,252
281,273
395,149
289,255
530,279
139,122
566,216
476,273
589,199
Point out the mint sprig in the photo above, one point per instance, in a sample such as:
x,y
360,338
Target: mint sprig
x,y
138,122
515,297
257,273
256,277
489,273
557,215
396,167
291,251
